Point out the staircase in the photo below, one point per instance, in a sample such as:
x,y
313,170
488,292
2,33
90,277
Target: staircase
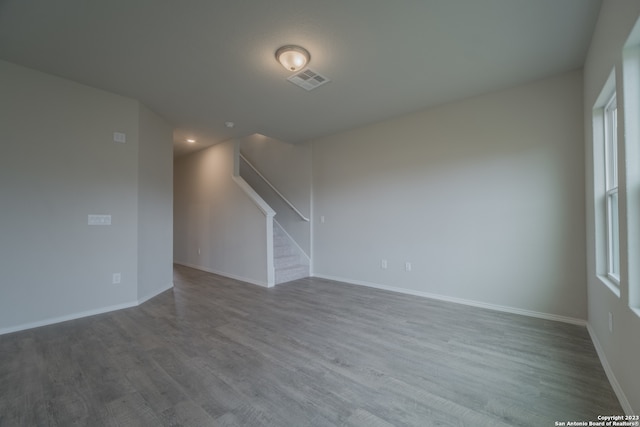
x,y
290,262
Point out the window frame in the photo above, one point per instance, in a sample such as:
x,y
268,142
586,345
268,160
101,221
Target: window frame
x,y
612,208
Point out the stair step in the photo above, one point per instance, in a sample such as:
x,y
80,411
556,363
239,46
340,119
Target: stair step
x,y
289,260
280,241
281,251
292,273
286,261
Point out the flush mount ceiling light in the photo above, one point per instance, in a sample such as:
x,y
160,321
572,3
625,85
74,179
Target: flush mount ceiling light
x,y
293,58
191,141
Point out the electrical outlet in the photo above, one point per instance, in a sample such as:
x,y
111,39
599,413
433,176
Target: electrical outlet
x,y
117,278
119,137
321,219
383,264
407,266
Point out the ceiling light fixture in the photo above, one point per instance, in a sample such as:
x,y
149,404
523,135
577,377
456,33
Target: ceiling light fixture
x,y
191,141
293,58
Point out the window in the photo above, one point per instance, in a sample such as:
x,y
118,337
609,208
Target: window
x,y
611,189
605,187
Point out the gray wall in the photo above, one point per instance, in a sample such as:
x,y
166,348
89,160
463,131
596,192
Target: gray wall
x,y
155,204
217,227
484,197
620,348
58,164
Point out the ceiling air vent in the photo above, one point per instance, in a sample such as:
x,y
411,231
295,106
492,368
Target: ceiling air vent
x,y
308,79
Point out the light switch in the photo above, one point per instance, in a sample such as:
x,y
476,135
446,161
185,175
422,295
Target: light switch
x,y
119,137
99,220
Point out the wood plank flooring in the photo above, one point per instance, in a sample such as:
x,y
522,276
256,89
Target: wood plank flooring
x,y
217,352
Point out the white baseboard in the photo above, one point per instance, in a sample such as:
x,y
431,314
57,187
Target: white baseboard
x,y
223,274
624,402
154,293
73,316
495,307
65,318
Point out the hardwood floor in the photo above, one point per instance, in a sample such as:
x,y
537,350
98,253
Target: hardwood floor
x,y
216,352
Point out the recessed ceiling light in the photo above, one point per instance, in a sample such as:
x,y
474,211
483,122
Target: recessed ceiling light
x,y
229,124
191,141
293,58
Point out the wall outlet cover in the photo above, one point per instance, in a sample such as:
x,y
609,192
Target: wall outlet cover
x,y
119,137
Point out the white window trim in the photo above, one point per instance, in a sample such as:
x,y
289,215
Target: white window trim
x,y
611,187
610,243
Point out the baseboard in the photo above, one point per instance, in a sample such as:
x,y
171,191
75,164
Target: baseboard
x,y
73,316
495,307
624,402
155,293
223,274
622,398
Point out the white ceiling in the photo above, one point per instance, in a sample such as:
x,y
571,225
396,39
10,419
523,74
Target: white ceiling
x,y
199,63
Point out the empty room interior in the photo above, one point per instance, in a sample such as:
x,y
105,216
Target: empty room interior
x,y
303,213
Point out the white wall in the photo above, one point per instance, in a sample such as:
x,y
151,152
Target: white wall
x,y
155,204
620,348
213,214
58,164
288,168
484,197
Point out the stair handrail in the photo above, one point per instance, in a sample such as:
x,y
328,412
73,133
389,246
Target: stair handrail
x,y
304,218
